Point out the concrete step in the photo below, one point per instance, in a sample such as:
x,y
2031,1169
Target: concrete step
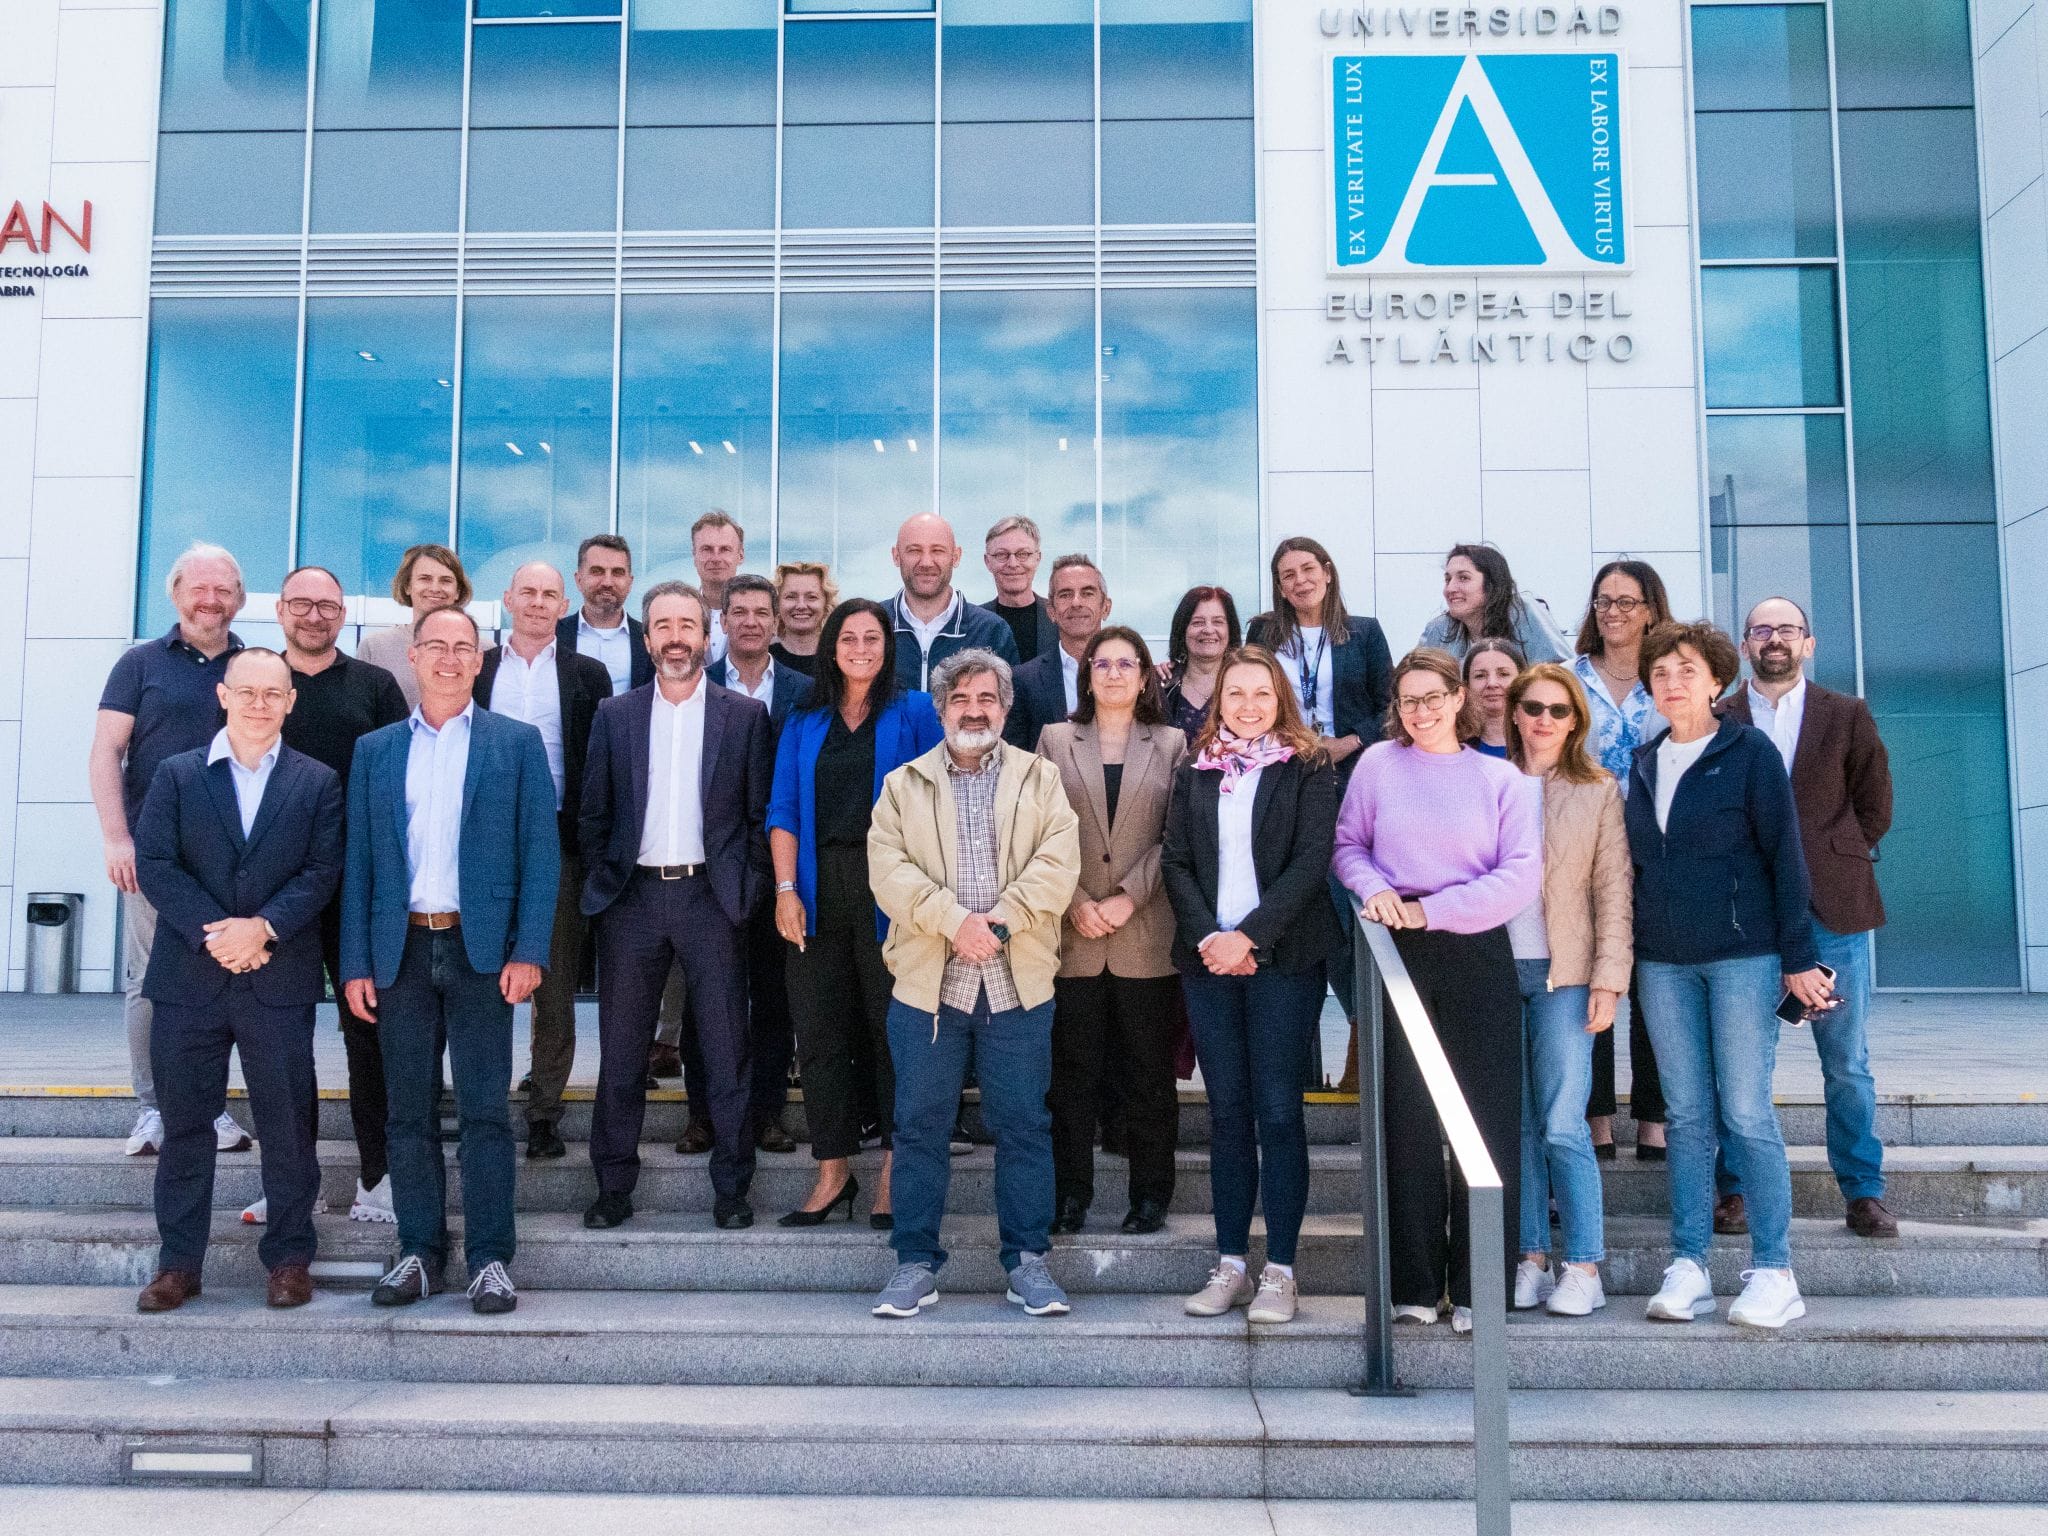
x,y
1920,1181
787,1339
666,1251
1186,1442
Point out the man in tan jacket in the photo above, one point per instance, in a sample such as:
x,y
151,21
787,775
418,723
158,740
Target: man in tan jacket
x,y
973,854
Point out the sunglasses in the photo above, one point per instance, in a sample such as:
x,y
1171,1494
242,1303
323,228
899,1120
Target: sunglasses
x,y
1536,711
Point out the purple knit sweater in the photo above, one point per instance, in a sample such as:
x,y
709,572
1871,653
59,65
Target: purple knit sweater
x,y
1463,831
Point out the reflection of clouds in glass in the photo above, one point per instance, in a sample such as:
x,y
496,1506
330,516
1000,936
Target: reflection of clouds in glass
x,y
1770,334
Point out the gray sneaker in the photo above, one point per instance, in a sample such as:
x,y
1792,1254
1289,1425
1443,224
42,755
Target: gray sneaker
x,y
1033,1288
914,1288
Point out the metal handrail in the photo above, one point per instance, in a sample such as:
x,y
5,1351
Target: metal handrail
x,y
1380,974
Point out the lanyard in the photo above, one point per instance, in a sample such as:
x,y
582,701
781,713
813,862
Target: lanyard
x,y
1310,670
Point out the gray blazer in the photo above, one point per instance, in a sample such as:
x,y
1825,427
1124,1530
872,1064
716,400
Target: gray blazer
x,y
1124,858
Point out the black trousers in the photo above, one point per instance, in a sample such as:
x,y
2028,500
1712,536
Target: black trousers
x,y
1467,982
188,1050
654,924
369,1104
839,996
1127,1026
1645,1092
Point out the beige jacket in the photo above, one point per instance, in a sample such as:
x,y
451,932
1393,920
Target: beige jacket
x,y
912,859
1124,858
1588,885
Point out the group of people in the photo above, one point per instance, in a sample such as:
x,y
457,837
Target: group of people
x,y
924,844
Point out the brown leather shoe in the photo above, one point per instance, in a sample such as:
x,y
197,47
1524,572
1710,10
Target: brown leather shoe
x,y
291,1285
697,1137
773,1136
665,1061
1868,1218
170,1290
1731,1216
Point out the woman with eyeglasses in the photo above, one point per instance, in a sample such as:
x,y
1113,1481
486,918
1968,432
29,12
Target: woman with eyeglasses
x,y
1573,947
1627,601
1115,992
429,578
1443,845
1204,629
1491,667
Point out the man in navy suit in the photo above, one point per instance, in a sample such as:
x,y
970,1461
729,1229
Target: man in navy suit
x,y
447,907
675,861
238,846
1046,685
602,628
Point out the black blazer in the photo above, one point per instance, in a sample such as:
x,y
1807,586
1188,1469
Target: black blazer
x,y
196,867
584,684
1361,676
1041,699
790,690
1294,832
643,664
737,772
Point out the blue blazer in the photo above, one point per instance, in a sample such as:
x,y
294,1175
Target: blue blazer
x,y
510,861
1361,677
1041,699
908,727
196,867
791,689
732,785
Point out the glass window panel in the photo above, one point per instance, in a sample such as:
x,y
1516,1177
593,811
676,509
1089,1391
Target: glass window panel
x,y
543,179
389,94
855,7
694,420
230,183
355,192
1766,184
544,77
1180,447
543,143
497,9
536,432
1181,172
1753,58
858,72
1916,317
1019,174
701,62
375,462
1777,470
1903,53
856,397
1017,413
1176,58
1020,113
857,101
1808,565
218,424
234,64
1770,334
700,178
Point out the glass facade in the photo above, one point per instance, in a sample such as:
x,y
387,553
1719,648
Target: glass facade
x,y
615,286
1848,420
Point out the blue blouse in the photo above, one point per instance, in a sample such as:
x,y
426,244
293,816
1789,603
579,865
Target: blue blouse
x,y
1617,730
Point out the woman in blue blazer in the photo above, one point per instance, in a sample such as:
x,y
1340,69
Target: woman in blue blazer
x,y
856,727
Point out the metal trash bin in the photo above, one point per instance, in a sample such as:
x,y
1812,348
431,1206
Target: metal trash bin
x,y
53,923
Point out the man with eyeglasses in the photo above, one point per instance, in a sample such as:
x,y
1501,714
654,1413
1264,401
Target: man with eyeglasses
x,y
1842,787
1010,550
1048,688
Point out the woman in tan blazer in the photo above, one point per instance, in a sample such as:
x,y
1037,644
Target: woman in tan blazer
x,y
1115,997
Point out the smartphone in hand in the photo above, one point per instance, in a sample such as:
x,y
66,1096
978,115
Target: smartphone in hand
x,y
1794,1012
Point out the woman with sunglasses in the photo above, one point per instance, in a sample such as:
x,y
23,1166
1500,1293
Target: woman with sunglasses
x,y
1573,947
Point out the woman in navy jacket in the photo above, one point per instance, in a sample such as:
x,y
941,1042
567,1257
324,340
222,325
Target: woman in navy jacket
x,y
1721,929
853,731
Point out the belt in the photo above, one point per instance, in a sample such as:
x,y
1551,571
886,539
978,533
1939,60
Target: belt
x,y
436,920
669,871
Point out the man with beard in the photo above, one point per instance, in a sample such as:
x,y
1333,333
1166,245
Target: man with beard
x,y
602,628
1048,687
1842,786
933,621
974,931
675,858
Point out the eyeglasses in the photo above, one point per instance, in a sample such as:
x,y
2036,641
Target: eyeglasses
x,y
1114,666
1621,605
1410,703
462,650
1536,711
299,607
248,697
1760,633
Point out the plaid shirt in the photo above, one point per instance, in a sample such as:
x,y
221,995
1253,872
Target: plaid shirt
x,y
974,832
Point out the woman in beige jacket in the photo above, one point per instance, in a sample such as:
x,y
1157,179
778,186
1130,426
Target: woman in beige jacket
x,y
1116,994
1573,950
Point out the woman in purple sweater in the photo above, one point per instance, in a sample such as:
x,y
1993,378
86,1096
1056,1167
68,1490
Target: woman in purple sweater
x,y
1443,845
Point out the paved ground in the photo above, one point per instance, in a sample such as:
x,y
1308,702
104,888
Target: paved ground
x,y
1991,1045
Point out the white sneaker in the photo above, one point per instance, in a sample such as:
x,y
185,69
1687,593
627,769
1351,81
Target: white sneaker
x,y
1770,1299
258,1213
1687,1293
1579,1293
373,1204
228,1135
1228,1286
1461,1319
148,1135
1533,1284
1423,1315
1276,1299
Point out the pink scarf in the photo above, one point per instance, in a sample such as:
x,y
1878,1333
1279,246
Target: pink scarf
x,y
1234,757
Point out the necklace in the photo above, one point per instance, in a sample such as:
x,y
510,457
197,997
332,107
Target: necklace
x,y
1600,665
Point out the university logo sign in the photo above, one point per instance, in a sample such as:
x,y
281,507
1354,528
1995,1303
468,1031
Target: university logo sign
x,y
1477,161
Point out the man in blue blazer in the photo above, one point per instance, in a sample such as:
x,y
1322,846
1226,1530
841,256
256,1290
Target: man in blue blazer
x,y
675,863
448,905
238,846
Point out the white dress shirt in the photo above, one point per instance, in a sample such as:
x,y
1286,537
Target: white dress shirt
x,y
1070,676
249,782
532,691
673,832
765,694
435,766
1780,721
613,647
1237,875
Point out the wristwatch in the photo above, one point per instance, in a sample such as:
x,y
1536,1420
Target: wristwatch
x,y
784,885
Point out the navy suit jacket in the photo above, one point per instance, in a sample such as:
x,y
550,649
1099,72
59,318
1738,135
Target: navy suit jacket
x,y
509,863
643,664
1041,699
791,689
196,867
733,781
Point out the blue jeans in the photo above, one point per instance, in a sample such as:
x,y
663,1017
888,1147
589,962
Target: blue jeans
x,y
1716,1034
1251,1037
1843,1041
1557,1148
1012,1056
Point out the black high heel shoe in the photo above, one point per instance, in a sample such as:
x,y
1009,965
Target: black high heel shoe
x,y
824,1213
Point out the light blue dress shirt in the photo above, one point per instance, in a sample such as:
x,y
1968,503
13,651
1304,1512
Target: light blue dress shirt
x,y
613,647
435,766
249,782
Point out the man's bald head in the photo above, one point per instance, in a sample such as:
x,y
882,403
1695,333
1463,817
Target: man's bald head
x,y
536,598
257,668
926,555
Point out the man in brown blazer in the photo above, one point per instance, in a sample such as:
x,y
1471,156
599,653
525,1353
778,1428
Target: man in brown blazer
x,y
1842,785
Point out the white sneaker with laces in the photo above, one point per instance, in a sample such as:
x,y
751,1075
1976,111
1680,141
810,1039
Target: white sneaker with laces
x,y
373,1204
148,1135
1533,1284
228,1135
1579,1293
1687,1293
1461,1319
1422,1315
1228,1286
1770,1299
1277,1297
